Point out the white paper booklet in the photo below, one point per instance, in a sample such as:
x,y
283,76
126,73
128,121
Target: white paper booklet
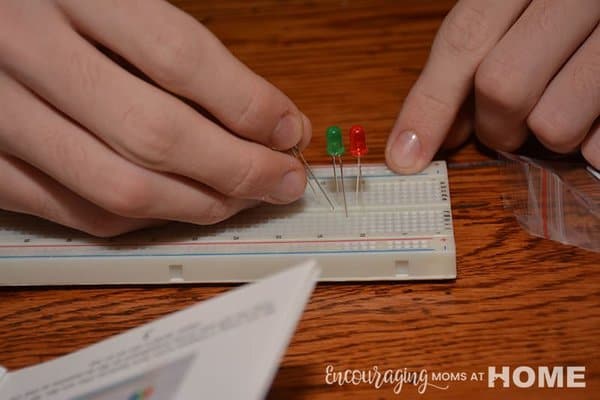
x,y
228,347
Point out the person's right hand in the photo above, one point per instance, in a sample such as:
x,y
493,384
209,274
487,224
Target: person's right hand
x,y
505,69
89,145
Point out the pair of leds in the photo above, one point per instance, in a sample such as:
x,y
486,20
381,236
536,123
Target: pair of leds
x,y
336,149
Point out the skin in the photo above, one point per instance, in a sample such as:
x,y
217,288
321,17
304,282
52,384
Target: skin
x,y
506,69
87,144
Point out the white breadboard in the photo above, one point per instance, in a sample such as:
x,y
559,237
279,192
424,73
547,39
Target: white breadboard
x,y
398,228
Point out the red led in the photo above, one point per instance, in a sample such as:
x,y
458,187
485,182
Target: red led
x,y
358,141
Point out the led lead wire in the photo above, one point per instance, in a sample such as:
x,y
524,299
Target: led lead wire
x,y
337,185
312,176
358,177
342,179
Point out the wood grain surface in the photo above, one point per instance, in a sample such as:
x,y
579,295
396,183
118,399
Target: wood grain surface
x,y
518,300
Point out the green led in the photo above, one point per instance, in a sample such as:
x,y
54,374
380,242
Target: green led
x,y
335,143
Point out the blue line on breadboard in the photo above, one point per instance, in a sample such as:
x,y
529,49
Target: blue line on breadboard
x,y
216,254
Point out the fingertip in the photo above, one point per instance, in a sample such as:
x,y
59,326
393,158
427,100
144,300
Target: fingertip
x,y
508,143
425,119
404,152
290,188
293,129
288,132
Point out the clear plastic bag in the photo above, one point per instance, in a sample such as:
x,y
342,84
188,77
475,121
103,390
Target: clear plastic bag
x,y
554,199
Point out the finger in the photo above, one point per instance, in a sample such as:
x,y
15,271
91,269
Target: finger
x,y
32,131
590,148
141,122
571,103
467,34
27,190
178,53
514,75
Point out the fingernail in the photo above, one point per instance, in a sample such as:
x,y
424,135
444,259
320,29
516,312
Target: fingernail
x,y
404,150
288,132
290,188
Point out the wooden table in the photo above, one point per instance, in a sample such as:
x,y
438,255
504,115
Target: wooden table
x,y
518,300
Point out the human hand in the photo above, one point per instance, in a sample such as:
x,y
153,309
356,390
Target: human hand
x,y
87,144
506,68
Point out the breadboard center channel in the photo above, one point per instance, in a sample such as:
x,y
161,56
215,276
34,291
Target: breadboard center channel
x,y
398,228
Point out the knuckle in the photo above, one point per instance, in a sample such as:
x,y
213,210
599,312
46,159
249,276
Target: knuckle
x,y
6,27
495,134
585,79
503,143
13,20
66,150
174,57
250,112
465,30
543,15
86,71
264,101
129,196
553,129
149,139
497,85
249,179
436,103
